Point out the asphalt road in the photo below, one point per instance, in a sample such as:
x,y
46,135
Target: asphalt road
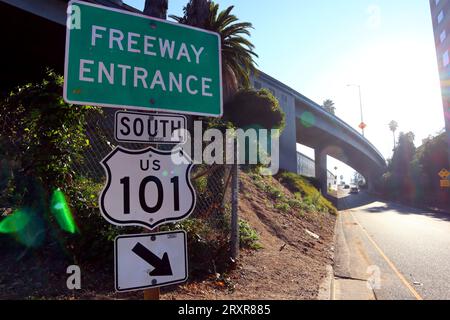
x,y
403,252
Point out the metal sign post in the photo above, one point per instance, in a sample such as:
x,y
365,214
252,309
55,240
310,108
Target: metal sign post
x,y
121,59
148,188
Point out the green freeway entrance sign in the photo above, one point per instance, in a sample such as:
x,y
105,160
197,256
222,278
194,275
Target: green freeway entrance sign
x,y
120,59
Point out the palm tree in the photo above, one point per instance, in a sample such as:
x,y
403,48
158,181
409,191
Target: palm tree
x,y
329,106
156,8
196,13
393,125
237,51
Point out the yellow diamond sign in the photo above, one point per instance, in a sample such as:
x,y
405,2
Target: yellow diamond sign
x,y
444,174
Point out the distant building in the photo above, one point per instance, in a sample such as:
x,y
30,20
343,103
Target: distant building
x,y
440,14
306,167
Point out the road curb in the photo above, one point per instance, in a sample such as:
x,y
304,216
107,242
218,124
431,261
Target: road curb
x,y
326,288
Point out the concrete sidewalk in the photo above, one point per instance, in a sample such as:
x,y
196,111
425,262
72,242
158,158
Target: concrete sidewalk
x,y
352,265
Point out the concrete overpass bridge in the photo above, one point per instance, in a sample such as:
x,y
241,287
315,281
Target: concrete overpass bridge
x,y
34,30
309,124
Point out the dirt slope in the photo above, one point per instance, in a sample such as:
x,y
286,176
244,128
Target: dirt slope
x,y
291,264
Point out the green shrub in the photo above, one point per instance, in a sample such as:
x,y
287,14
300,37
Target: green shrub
x,y
283,207
258,181
93,243
43,139
250,107
200,184
309,194
274,192
295,203
248,237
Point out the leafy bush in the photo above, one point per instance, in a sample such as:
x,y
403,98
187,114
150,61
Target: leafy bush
x,y
43,138
306,197
310,195
200,184
283,207
295,203
274,192
94,240
248,237
250,107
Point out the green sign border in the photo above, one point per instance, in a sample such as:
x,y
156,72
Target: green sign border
x,y
131,107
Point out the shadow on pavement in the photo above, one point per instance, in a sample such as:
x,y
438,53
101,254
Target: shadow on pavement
x,y
410,211
351,201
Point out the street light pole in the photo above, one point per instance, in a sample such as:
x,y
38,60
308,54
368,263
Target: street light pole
x,y
360,104
361,108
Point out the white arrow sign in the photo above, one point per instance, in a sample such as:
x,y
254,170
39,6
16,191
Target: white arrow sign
x,y
147,187
150,260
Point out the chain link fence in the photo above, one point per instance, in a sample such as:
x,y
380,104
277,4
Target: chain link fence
x,y
212,183
210,226
213,229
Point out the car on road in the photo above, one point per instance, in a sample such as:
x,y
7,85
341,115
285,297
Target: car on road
x,y
346,186
354,190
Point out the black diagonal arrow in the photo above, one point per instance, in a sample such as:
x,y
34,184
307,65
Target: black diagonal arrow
x,y
162,266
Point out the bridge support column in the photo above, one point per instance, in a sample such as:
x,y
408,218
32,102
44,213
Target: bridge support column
x,y
370,185
321,169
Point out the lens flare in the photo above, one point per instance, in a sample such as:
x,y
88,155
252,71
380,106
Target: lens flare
x,y
33,235
447,114
307,119
25,227
15,222
60,209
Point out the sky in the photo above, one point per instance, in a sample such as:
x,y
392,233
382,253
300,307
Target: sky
x,y
318,47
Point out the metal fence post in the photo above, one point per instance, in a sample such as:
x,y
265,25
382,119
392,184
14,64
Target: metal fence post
x,y
234,241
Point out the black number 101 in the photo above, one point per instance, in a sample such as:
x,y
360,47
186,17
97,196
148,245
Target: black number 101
x,y
125,181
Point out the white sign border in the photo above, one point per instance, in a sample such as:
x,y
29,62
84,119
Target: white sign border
x,y
116,256
170,115
140,108
150,226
